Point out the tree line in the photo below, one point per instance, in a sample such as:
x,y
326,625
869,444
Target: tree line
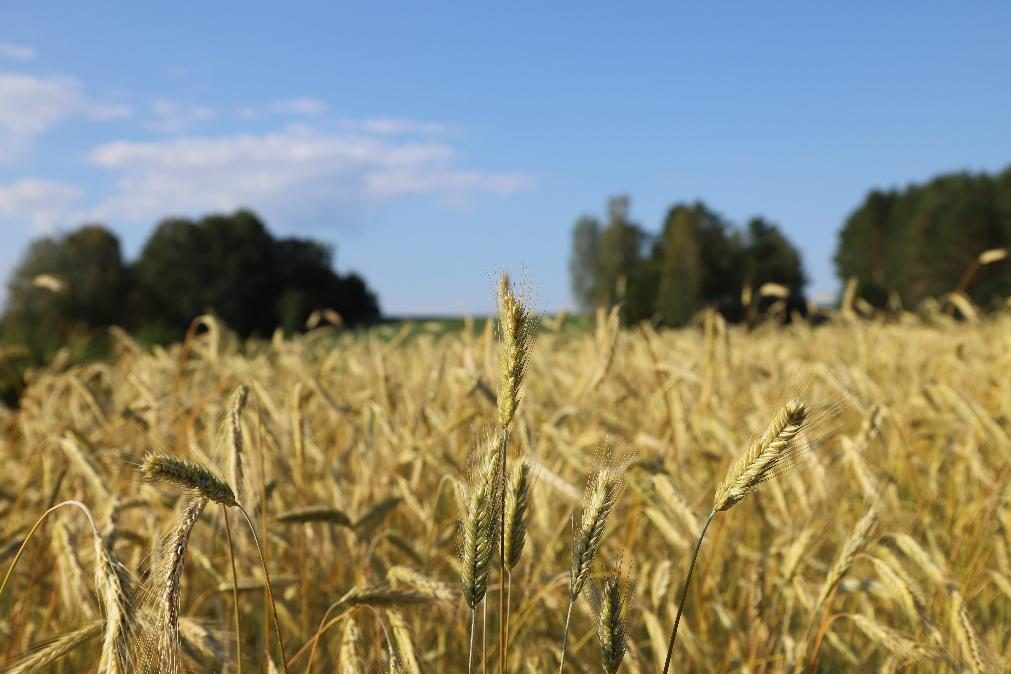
x,y
697,259
901,246
231,265
925,241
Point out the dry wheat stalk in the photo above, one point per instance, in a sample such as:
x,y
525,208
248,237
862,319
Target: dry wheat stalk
x,y
602,492
436,589
236,446
480,529
773,450
116,596
350,659
167,640
73,589
974,652
54,650
897,644
201,646
403,643
314,514
854,545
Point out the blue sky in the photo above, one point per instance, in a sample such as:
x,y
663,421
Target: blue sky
x,y
435,144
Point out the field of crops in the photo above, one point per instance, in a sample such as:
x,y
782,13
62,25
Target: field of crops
x,y
883,545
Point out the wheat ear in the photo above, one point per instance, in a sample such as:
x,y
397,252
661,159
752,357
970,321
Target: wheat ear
x,y
854,545
766,453
517,327
973,651
168,640
603,490
191,476
480,528
237,453
769,451
55,649
515,535
611,623
116,596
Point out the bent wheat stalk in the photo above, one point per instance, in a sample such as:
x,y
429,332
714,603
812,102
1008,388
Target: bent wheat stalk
x,y
768,453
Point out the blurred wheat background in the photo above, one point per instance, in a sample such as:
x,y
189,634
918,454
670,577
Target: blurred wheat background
x,y
358,448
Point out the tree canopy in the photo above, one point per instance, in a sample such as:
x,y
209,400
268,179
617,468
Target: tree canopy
x,y
230,265
925,240
697,259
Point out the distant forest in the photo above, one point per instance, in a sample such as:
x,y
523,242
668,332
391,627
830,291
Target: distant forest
x,y
73,286
901,247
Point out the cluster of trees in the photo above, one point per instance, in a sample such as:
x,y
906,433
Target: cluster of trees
x,y
227,264
697,259
924,241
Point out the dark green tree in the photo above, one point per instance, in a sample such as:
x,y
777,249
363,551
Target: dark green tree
x,y
221,263
769,257
64,285
307,281
583,261
620,252
231,265
679,294
924,241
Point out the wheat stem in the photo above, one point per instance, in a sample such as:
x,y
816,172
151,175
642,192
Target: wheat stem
x,y
565,635
270,593
684,592
235,592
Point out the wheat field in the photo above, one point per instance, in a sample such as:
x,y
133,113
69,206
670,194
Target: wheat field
x,y
883,545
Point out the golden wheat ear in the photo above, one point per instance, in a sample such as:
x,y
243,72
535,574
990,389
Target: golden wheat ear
x,y
771,451
190,476
602,492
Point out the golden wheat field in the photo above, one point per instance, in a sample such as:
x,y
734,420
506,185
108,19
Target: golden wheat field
x,y
881,546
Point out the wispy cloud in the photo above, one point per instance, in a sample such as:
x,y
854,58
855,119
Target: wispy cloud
x,y
31,104
172,117
289,107
42,204
296,171
391,126
16,52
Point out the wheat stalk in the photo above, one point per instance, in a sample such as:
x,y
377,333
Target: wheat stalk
x,y
237,453
167,641
853,546
480,528
770,451
973,650
602,492
54,650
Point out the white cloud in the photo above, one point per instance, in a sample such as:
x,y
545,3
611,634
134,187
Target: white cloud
x,y
172,117
41,203
289,107
29,105
388,126
295,172
17,52
309,107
